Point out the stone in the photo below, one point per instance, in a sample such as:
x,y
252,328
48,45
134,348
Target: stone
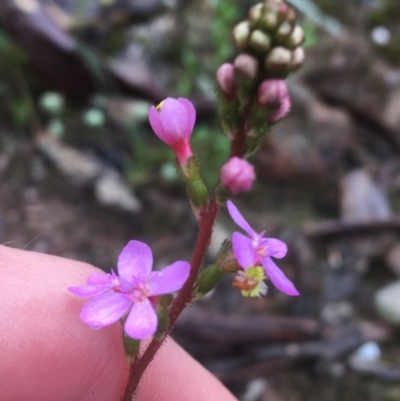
x,y
84,170
387,302
111,190
392,259
362,199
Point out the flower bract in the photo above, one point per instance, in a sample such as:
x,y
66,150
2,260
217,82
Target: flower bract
x,y
131,292
255,249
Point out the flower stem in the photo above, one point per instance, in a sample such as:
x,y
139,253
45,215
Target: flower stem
x,y
207,219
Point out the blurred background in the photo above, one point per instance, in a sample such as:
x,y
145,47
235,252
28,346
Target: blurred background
x,y
81,173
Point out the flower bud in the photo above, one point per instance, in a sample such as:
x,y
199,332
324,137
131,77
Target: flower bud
x,y
271,92
282,111
278,59
237,175
270,20
296,38
283,10
241,33
284,31
208,279
298,57
225,79
255,14
172,121
260,41
246,67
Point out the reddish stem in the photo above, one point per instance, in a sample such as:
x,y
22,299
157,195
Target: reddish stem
x,y
207,219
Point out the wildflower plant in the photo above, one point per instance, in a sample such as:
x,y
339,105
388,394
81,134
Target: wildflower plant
x,y
252,98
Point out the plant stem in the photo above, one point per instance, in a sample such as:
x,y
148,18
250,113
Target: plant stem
x,y
207,219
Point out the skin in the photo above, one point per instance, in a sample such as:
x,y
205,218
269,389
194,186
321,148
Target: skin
x,y
48,354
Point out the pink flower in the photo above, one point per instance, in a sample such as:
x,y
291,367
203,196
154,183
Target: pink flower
x,y
172,121
256,249
131,292
237,175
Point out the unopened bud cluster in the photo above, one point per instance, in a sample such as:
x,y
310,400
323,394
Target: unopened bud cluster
x,y
270,46
270,35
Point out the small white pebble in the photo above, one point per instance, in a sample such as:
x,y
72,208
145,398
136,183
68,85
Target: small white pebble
x,y
369,352
381,35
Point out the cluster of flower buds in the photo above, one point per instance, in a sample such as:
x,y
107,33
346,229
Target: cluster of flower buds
x,y
270,47
271,36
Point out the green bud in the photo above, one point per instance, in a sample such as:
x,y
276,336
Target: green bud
x,y
162,326
260,41
162,314
198,193
255,14
226,259
278,59
166,300
270,20
241,33
284,31
193,168
208,279
298,57
132,348
296,38
229,115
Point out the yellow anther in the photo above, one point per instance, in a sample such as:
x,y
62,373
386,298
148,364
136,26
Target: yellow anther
x,y
158,107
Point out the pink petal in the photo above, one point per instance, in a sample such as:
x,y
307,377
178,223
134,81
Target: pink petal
x,y
276,248
280,281
155,123
169,279
105,309
135,261
243,250
142,320
174,120
86,291
239,219
191,113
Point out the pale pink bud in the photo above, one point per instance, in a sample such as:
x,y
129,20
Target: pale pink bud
x,y
241,33
237,175
296,38
282,111
246,66
278,59
271,92
260,41
298,57
225,79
